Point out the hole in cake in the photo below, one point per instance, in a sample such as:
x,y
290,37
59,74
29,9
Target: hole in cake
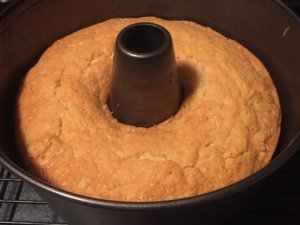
x,y
143,38
189,80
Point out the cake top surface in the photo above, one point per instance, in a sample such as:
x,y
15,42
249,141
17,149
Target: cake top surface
x,y
226,129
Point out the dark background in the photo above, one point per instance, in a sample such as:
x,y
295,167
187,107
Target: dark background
x,y
277,201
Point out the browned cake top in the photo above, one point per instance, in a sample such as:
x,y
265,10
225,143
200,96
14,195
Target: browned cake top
x,y
226,128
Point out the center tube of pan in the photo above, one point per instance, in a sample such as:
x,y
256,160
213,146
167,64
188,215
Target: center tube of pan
x,y
145,87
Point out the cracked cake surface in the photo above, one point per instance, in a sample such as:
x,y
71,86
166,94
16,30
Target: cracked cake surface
x,y
226,129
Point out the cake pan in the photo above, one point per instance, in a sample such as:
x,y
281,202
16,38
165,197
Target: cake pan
x,y
267,28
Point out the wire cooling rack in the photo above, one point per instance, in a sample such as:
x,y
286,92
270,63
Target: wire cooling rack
x,y
19,204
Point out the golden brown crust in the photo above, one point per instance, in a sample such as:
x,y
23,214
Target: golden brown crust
x,y
226,129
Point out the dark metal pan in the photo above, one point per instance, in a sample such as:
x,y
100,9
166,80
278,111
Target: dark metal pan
x,y
267,28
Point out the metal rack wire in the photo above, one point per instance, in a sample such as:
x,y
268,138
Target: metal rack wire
x,y
21,205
